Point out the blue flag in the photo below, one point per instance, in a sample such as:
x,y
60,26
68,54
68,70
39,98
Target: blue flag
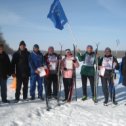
x,y
57,15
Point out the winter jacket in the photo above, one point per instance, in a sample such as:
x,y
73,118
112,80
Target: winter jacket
x,y
123,66
5,66
88,63
108,63
52,62
20,64
66,63
36,60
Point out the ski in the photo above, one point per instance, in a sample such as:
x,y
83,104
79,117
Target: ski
x,y
74,74
59,76
46,96
96,76
74,80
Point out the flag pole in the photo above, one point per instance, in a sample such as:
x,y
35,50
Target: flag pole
x,y
72,34
117,44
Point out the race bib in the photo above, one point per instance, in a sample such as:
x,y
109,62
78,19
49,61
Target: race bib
x,y
69,64
89,60
107,63
102,71
53,62
53,65
52,58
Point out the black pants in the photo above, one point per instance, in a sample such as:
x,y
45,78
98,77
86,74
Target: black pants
x,y
84,84
67,84
52,79
20,81
108,88
3,85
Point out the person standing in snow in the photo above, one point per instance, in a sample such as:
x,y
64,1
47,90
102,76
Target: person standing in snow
x,y
123,70
107,64
36,61
87,70
21,70
52,62
68,64
4,73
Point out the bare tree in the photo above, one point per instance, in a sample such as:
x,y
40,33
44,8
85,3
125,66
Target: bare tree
x,y
6,46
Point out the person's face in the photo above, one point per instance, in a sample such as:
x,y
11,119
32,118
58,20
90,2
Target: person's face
x,y
50,50
107,52
22,47
36,50
89,50
1,50
68,53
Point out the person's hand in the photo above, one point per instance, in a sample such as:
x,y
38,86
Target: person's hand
x,y
78,50
100,67
13,75
37,72
114,64
65,69
74,60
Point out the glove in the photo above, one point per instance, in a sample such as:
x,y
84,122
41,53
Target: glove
x,y
13,75
75,60
65,69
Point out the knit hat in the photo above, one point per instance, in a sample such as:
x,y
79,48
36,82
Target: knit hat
x,y
67,50
22,43
36,46
90,46
108,49
51,47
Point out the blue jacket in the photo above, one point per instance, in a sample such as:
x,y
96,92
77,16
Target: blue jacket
x,y
36,60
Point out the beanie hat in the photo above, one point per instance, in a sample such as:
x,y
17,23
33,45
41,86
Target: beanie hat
x,y
22,43
36,46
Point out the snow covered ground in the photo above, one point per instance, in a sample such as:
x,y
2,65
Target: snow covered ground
x,y
69,114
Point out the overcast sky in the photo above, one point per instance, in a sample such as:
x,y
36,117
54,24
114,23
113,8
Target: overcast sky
x,y
92,21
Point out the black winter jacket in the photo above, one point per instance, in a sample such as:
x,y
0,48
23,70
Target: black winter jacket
x,y
4,66
20,63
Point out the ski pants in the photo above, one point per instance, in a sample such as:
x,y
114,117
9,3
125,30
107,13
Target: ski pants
x,y
52,79
33,80
3,85
21,80
84,84
108,88
67,85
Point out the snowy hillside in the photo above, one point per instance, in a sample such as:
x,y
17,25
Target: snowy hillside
x,y
68,114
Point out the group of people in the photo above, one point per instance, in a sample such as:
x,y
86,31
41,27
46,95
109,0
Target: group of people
x,y
25,65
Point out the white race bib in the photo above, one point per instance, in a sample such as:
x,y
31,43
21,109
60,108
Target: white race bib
x,y
89,60
69,64
107,63
53,62
53,65
102,71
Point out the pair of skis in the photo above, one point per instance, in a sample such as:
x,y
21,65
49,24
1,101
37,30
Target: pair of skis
x,y
59,83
